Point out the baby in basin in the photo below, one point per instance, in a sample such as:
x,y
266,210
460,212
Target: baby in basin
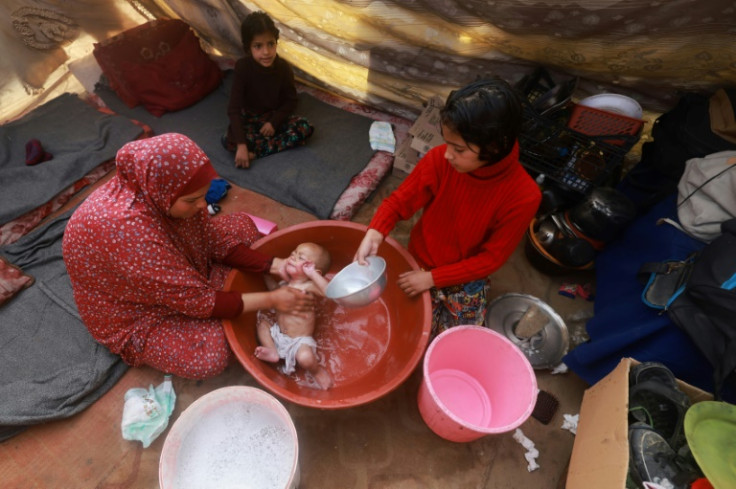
x,y
290,338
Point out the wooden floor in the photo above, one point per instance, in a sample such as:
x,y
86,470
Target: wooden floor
x,y
384,444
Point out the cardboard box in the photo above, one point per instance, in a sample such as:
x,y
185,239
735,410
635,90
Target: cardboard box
x,y
405,158
600,454
425,131
423,135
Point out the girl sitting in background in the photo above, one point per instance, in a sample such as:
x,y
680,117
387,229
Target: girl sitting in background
x,y
263,97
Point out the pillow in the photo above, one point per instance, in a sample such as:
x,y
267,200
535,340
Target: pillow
x,y
12,280
176,80
159,64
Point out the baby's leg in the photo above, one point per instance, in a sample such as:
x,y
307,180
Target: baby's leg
x,y
307,359
267,351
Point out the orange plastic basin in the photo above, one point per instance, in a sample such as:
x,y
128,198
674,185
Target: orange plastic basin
x,y
369,351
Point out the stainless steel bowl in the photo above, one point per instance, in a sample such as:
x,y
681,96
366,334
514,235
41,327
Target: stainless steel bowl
x,y
358,285
543,350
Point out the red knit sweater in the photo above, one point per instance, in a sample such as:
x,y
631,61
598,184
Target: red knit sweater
x,y
471,223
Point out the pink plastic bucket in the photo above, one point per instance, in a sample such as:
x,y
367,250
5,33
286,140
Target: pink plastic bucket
x,y
476,383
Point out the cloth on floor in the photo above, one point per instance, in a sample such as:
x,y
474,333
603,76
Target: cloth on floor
x,y
79,136
146,411
310,178
381,136
35,153
217,191
50,366
623,326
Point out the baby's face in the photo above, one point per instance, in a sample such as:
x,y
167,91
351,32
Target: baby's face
x,y
301,255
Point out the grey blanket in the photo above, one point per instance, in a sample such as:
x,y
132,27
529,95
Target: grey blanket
x,y
78,136
310,177
50,366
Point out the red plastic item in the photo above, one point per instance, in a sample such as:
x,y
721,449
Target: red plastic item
x,y
369,351
596,122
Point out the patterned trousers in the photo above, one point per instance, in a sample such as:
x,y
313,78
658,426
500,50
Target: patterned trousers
x,y
293,132
459,304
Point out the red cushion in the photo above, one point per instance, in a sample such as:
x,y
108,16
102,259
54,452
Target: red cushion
x,y
160,65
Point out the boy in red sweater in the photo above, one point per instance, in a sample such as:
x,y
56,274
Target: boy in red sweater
x,y
476,201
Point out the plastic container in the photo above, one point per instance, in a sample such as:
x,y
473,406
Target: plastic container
x,y
235,436
597,122
476,383
369,351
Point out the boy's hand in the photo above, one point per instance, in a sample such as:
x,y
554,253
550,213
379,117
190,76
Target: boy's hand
x,y
242,156
267,129
369,246
415,282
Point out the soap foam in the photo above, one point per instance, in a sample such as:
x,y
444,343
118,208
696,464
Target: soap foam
x,y
236,445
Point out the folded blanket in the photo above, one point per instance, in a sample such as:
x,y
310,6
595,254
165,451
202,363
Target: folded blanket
x,y
79,137
50,366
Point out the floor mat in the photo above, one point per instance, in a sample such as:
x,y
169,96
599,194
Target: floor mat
x,y
310,178
79,137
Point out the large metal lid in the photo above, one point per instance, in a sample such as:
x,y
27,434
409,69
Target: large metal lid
x,y
544,349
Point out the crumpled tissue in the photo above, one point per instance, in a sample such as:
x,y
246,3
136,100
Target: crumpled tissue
x,y
531,452
570,423
146,412
381,137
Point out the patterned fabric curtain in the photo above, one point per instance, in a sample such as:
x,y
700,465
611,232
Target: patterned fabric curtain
x,y
396,54
404,51
38,38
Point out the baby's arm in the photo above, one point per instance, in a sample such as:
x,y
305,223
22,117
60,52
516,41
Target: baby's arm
x,y
318,281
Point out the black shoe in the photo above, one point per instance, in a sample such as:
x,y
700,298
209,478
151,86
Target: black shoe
x,y
652,371
655,399
652,459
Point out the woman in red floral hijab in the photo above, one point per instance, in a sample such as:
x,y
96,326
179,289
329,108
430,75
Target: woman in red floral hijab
x,y
147,263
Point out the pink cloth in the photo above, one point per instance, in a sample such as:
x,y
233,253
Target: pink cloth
x,y
145,283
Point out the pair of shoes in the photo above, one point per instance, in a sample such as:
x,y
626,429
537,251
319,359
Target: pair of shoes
x,y
652,459
656,399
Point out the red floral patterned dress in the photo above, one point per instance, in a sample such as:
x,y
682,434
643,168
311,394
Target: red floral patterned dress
x,y
145,283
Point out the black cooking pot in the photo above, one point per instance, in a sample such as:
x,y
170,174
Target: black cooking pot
x,y
603,214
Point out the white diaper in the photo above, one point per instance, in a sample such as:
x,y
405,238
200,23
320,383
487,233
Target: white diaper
x,y
287,347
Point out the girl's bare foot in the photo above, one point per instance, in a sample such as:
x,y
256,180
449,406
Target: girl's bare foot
x,y
267,354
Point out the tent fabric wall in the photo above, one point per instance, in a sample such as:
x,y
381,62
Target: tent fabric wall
x,y
397,54
405,51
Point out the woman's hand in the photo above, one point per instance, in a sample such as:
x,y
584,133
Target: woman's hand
x,y
415,282
291,300
278,267
242,156
369,246
267,130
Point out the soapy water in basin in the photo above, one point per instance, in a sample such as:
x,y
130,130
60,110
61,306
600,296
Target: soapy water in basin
x,y
354,337
243,446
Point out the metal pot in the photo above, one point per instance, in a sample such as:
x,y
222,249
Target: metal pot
x,y
358,285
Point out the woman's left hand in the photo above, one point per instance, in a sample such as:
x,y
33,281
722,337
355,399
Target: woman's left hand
x,y
291,300
415,282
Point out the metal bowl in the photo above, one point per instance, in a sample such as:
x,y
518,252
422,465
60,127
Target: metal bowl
x,y
543,350
358,285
